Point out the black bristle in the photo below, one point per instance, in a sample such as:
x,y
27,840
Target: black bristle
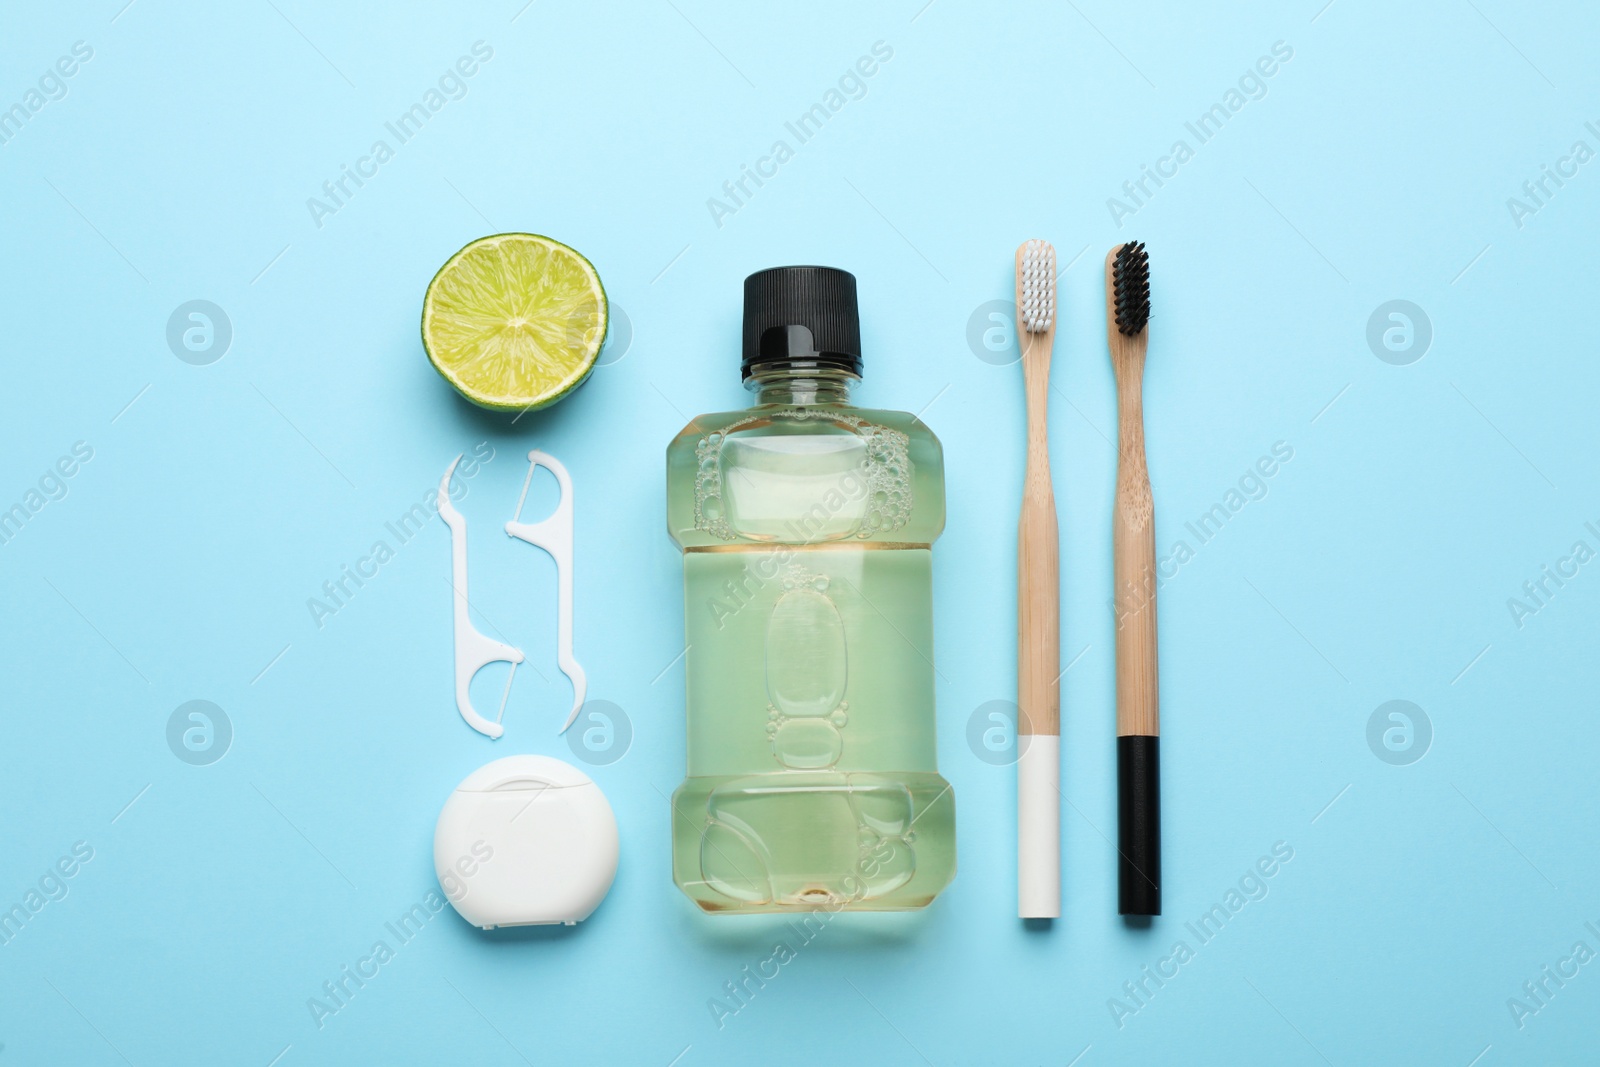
x,y
1130,273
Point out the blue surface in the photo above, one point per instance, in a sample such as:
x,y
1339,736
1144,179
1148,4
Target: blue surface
x,y
1373,165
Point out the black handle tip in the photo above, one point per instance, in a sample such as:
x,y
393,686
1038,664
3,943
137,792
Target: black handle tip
x,y
1139,825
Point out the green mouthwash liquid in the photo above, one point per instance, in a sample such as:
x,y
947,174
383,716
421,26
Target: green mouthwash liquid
x,y
806,527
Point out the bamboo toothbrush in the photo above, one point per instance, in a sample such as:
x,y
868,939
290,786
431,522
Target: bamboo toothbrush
x,y
1038,606
1134,548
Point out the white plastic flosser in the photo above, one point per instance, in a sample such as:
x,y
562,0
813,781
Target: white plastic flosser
x,y
474,651
554,535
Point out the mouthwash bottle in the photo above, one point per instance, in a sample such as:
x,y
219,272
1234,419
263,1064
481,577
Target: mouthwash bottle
x,y
806,526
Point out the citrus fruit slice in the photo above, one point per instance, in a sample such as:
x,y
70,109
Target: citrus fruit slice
x,y
514,321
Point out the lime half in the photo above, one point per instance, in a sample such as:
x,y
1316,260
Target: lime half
x,y
514,321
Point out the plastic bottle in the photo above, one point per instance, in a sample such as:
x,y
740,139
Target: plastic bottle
x,y
807,526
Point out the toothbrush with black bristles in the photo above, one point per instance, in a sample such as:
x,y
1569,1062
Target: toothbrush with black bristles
x,y
1134,552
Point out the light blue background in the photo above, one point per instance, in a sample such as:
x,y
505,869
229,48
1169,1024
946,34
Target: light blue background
x,y
1419,499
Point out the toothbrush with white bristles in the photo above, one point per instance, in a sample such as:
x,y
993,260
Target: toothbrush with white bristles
x,y
1038,605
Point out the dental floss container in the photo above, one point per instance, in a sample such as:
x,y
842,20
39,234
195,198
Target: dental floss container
x,y
524,841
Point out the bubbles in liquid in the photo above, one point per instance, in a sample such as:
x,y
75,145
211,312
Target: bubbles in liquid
x,y
887,470
708,512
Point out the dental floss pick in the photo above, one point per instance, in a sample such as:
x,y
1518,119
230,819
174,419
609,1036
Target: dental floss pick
x,y
554,535
473,651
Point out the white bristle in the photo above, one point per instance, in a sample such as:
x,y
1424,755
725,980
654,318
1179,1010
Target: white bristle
x,y
1038,289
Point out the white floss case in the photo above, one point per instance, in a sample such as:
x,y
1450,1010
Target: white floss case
x,y
526,840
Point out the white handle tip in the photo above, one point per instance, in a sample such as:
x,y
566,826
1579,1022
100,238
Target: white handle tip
x,y
1039,827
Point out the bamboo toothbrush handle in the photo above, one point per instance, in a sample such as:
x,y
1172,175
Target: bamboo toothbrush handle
x,y
1134,549
1038,575
1038,618
1038,658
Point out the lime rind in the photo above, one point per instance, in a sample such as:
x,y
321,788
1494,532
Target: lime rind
x,y
515,321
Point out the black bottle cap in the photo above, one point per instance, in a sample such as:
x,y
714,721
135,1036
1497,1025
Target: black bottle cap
x,y
801,318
